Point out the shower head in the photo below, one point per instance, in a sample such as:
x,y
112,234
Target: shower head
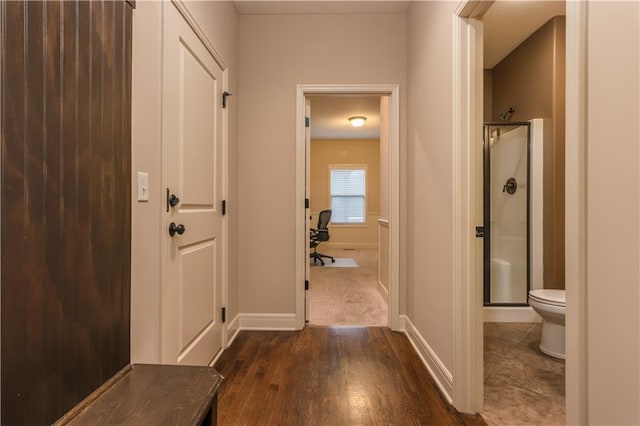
x,y
506,116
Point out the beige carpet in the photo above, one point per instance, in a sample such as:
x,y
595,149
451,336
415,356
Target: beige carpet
x,y
338,262
347,296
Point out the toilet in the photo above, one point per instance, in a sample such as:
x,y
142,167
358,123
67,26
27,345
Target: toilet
x,y
550,305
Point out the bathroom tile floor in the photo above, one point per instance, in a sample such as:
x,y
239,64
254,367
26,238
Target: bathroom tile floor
x,y
522,386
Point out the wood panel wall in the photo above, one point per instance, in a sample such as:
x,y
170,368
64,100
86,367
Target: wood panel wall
x,y
65,217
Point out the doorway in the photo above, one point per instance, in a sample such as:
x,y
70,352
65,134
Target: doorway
x,y
470,32
391,111
346,286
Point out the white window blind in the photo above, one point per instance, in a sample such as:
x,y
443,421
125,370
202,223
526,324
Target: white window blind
x,y
348,191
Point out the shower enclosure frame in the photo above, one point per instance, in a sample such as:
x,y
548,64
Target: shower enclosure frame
x,y
486,197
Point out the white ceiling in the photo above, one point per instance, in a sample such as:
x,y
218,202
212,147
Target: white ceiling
x,y
508,23
330,117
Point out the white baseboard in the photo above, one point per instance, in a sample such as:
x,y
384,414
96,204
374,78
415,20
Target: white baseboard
x,y
271,322
233,329
215,358
510,314
348,246
437,369
383,291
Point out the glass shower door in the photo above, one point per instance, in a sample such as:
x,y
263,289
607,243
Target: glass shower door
x,y
506,213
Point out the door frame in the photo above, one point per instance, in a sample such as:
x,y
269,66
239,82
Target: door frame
x,y
468,362
393,91
467,111
191,21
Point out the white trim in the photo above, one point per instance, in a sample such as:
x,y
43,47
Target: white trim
x,y
393,91
271,322
539,131
302,222
216,357
468,356
384,223
510,314
576,377
188,17
307,215
225,196
233,328
436,367
473,8
3,43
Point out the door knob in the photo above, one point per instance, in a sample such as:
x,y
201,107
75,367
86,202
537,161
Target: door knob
x,y
173,228
173,200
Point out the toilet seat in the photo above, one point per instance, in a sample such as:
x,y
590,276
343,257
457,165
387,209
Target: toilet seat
x,y
549,297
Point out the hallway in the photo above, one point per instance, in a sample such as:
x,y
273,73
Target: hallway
x,y
329,375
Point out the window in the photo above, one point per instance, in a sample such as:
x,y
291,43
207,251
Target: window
x,y
348,190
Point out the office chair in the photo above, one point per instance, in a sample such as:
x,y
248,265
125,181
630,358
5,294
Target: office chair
x,y
318,235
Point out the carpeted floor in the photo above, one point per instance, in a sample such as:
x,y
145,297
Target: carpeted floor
x,y
347,296
338,262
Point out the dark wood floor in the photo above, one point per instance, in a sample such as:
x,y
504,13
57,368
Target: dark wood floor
x,y
329,376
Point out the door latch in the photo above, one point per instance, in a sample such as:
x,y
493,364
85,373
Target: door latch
x,y
172,200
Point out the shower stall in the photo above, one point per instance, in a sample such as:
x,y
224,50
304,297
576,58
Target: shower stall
x,y
506,150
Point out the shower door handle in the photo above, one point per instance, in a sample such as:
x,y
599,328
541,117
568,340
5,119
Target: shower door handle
x,y
479,231
510,186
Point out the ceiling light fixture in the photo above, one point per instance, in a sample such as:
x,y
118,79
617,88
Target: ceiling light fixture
x,y
357,121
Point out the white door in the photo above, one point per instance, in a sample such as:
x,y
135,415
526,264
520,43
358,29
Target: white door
x,y
193,173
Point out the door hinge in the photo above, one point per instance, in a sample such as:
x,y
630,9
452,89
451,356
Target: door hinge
x,y
306,203
224,207
224,98
224,314
307,122
479,231
306,284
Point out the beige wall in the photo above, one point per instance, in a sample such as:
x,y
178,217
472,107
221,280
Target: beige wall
x,y
146,152
277,52
487,99
429,173
336,152
531,79
612,180
219,20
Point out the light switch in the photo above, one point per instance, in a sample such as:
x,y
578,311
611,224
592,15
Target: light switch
x,y
143,186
